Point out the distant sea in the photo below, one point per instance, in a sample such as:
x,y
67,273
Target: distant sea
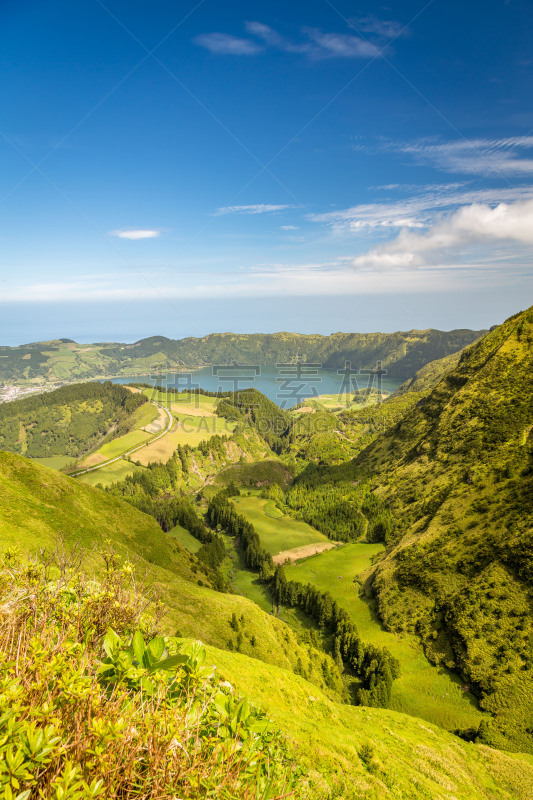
x,y
286,386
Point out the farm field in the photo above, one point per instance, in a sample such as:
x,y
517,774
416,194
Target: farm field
x,y
187,403
147,415
111,473
423,690
123,443
277,531
191,431
194,429
115,448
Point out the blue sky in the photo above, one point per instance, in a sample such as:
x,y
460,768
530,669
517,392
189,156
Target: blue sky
x,y
189,167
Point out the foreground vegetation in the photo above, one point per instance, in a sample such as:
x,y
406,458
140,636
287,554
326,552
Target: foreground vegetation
x,y
92,709
97,704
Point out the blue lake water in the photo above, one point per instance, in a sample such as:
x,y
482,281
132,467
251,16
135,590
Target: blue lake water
x,y
286,386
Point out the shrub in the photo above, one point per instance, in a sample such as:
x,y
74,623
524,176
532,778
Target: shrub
x,y
143,717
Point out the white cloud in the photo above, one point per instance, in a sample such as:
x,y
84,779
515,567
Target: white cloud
x,y
414,264
314,43
289,227
275,281
259,208
227,44
136,234
507,156
454,235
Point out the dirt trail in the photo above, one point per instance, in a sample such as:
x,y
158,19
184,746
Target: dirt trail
x,y
303,552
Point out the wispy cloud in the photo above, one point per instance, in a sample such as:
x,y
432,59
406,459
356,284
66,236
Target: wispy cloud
x,y
385,28
512,156
418,211
259,208
136,234
314,43
289,227
396,273
227,44
339,45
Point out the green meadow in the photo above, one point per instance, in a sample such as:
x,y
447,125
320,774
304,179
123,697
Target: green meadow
x,y
55,462
423,690
340,402
110,473
277,531
124,443
185,539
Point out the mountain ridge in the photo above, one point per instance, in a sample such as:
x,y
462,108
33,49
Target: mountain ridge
x,y
402,353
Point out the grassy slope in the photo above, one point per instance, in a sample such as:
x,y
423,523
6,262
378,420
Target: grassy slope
x,y
185,539
112,473
422,690
411,759
255,474
55,462
37,503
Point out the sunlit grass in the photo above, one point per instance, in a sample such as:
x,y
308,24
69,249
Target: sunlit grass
x,y
423,690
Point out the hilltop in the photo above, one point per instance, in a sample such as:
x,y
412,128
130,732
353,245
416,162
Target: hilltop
x,y
71,420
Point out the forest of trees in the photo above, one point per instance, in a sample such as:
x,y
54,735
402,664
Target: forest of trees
x,y
69,421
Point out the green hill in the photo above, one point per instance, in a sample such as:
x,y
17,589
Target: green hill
x,y
69,421
457,475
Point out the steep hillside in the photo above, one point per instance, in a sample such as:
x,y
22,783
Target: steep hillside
x,y
430,374
373,752
39,503
457,476
402,353
327,438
